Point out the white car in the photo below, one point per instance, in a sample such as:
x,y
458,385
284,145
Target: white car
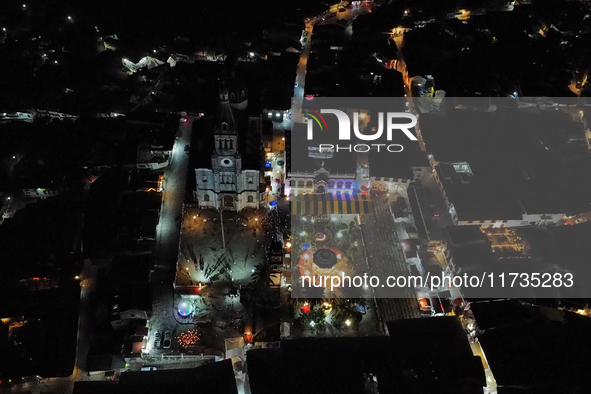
x,y
167,339
157,340
580,220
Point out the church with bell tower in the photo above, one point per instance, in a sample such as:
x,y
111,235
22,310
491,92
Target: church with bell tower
x,y
229,182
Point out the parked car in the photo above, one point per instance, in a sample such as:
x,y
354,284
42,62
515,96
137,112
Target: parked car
x,y
183,120
157,340
167,339
580,220
434,212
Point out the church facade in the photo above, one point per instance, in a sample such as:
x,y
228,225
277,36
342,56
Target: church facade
x,y
227,184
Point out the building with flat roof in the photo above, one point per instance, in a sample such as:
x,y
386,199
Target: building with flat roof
x,y
390,170
421,355
507,167
214,378
534,349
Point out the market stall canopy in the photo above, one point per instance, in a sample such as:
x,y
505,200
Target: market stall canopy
x,y
325,204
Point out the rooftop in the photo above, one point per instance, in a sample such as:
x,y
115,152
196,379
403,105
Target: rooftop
x,y
414,345
520,162
397,165
214,378
461,235
534,348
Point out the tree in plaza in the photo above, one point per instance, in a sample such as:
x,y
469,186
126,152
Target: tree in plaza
x,y
261,277
261,281
298,303
352,226
342,310
314,320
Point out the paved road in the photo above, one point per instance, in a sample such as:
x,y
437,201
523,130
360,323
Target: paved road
x,y
301,70
173,196
386,257
168,230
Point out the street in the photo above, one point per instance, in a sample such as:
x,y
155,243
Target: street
x,y
386,258
173,196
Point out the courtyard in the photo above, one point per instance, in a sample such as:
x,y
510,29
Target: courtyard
x,y
202,256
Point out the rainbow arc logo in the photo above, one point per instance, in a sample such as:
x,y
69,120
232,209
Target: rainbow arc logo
x,y
316,116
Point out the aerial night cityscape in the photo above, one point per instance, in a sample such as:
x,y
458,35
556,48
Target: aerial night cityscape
x,y
295,196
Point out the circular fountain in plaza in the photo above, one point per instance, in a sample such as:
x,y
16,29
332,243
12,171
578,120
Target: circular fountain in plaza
x,y
185,308
324,261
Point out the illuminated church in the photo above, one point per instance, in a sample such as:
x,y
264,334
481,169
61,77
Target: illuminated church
x,y
224,177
